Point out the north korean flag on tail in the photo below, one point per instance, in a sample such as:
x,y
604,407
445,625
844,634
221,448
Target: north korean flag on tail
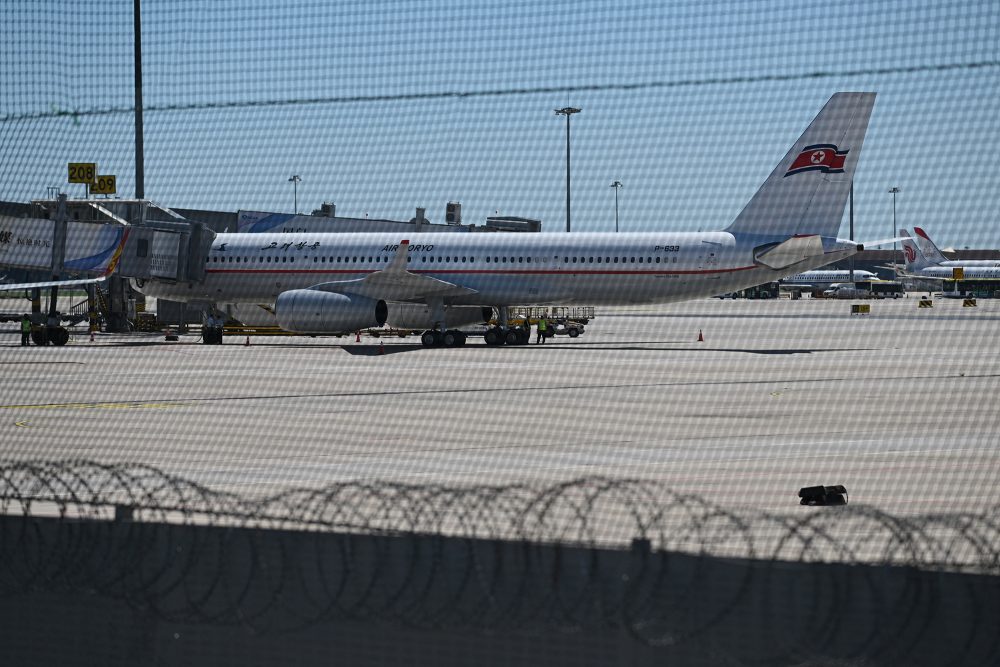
x,y
819,157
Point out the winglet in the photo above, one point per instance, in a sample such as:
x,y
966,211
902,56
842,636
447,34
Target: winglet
x,y
398,263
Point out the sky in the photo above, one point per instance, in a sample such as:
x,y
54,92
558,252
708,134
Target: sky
x,y
382,106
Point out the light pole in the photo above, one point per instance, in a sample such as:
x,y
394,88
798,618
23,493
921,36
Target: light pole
x,y
893,191
294,180
567,111
617,185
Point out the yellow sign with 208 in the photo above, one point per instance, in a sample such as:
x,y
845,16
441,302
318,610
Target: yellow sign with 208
x,y
82,172
104,185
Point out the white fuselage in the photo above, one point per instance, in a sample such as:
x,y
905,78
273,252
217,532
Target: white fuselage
x,y
497,268
973,263
826,278
947,272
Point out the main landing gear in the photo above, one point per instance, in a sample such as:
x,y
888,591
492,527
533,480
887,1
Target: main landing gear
x,y
450,338
49,335
513,336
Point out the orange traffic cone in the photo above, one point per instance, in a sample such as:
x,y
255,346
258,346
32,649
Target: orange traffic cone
x,y
381,347
357,336
247,342
701,338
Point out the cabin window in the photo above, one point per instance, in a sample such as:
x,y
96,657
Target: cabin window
x,y
633,260
487,259
496,259
529,260
463,259
590,260
520,260
566,260
616,260
284,259
657,260
598,260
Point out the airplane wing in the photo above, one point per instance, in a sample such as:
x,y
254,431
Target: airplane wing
x,y
50,283
395,283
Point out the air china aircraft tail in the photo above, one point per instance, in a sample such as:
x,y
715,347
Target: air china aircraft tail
x,y
913,257
807,192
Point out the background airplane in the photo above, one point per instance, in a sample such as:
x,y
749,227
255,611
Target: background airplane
x,y
918,266
821,279
934,256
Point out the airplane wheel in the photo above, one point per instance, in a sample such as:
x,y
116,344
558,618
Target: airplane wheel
x,y
39,337
513,338
59,336
429,338
573,333
451,339
493,337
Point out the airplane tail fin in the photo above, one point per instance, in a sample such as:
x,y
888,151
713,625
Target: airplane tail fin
x,y
807,192
927,247
913,258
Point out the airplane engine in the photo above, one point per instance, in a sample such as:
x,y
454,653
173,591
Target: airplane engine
x,y
316,312
418,316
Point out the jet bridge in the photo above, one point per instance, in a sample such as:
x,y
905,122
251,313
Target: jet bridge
x,y
64,239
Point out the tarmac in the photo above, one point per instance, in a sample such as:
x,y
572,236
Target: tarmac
x,y
900,406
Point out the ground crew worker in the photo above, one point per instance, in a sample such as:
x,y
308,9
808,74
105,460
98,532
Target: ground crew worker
x,y
543,330
25,330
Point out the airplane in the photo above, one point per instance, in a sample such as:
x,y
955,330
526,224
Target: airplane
x,y
918,266
931,253
333,283
825,278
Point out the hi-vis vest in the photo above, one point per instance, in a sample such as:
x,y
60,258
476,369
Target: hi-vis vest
x,y
25,326
542,324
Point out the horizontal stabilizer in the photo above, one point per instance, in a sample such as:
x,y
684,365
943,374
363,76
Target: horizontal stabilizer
x,y
882,242
792,251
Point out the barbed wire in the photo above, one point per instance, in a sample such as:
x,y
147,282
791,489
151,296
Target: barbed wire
x,y
667,568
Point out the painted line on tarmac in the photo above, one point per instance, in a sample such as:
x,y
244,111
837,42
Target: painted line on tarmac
x,y
125,405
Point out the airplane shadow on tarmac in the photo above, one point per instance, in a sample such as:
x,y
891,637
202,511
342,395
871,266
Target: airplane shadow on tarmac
x,y
364,350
